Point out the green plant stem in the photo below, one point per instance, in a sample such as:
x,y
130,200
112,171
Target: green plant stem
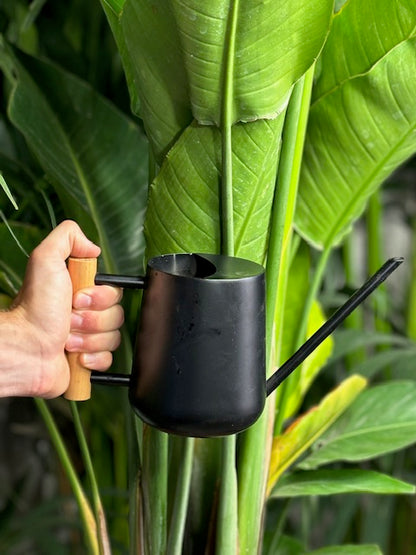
x,y
227,521
87,517
290,383
177,525
227,223
277,268
277,532
356,319
255,443
154,490
226,542
133,432
411,305
102,533
374,221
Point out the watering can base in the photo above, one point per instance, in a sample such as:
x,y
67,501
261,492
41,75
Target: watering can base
x,y
200,428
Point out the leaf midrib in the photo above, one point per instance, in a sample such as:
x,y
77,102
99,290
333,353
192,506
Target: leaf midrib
x,y
339,85
78,170
357,199
369,430
295,454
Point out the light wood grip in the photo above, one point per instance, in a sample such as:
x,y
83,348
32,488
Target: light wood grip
x,y
82,272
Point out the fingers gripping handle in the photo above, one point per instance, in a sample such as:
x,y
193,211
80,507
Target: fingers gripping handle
x,y
82,272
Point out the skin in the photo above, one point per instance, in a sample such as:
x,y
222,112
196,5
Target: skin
x,y
46,319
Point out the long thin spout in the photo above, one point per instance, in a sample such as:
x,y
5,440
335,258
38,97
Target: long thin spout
x,y
323,332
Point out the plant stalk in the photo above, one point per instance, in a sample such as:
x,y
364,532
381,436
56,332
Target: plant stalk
x,y
102,533
411,310
227,520
177,526
288,385
87,517
255,443
154,488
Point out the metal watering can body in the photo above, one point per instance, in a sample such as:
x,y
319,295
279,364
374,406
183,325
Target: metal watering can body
x,y
199,365
199,360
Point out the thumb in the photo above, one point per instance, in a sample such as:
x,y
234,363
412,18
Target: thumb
x,y
67,239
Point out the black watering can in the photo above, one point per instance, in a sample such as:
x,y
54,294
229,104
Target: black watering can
x,y
199,365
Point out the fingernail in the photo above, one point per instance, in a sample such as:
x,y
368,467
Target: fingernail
x,y
76,321
74,342
88,360
81,300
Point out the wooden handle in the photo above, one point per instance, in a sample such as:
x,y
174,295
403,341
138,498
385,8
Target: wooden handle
x,y
82,272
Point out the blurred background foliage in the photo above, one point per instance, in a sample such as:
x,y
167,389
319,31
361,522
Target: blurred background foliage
x,y
38,513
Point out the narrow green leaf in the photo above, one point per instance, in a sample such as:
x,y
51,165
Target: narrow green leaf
x,y
381,419
115,5
363,117
12,260
17,243
332,482
401,361
87,515
309,427
364,549
348,341
100,520
6,189
35,8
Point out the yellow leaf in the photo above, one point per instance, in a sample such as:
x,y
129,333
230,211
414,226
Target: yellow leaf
x,y
288,446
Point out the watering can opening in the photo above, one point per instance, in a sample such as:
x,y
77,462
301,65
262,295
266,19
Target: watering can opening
x,y
184,265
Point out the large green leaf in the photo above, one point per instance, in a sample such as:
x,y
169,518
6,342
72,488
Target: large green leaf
x,y
331,482
183,209
149,45
88,149
389,22
309,427
175,53
363,116
266,45
382,419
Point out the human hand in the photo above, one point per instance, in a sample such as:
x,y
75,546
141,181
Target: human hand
x,y
48,319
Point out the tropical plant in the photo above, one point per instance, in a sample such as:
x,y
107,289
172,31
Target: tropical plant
x,y
257,129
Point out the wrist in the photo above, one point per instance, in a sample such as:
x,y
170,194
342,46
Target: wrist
x,y
15,355
26,367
